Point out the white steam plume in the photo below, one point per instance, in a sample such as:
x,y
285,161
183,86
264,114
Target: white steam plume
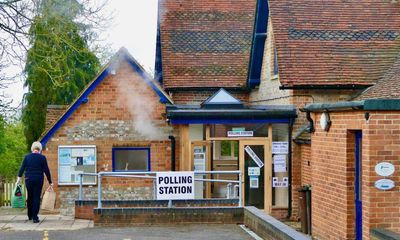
x,y
136,94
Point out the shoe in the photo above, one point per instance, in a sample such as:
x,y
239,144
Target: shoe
x,y
36,220
29,218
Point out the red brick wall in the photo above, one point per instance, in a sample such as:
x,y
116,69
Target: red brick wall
x,y
333,174
206,43
300,99
84,212
84,209
381,142
306,164
119,217
97,123
53,113
333,177
279,213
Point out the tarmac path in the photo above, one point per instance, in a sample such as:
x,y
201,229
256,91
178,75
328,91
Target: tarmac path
x,y
14,225
201,232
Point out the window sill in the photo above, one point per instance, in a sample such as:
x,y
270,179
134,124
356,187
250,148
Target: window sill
x,y
279,208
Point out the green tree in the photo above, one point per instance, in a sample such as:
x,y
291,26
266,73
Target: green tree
x,y
13,148
59,63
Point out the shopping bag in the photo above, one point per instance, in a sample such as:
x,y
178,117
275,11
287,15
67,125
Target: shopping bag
x,y
17,198
48,200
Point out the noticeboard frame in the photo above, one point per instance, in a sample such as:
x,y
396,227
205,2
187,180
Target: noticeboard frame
x,y
76,147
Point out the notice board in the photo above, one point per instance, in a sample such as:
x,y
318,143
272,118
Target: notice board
x,y
76,159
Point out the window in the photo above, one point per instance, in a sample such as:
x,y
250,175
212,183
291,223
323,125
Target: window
x,y
226,148
131,159
280,195
229,149
276,68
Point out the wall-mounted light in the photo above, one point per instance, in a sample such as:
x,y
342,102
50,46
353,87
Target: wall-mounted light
x,y
325,121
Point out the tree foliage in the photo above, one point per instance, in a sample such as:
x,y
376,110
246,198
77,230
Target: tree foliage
x,y
12,148
59,63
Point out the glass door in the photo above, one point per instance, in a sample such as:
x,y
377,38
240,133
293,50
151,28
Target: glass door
x,y
255,163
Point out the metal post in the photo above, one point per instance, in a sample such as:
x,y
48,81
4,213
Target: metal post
x,y
80,186
99,191
235,190
154,189
228,190
240,190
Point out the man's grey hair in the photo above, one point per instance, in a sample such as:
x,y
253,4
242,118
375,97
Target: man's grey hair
x,y
36,146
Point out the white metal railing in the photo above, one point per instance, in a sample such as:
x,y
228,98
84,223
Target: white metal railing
x,y
81,182
152,175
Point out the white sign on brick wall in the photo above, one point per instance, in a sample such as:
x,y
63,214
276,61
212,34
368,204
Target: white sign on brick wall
x,y
175,185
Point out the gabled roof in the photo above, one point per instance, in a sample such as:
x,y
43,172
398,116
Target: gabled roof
x,y
388,87
110,68
338,43
205,44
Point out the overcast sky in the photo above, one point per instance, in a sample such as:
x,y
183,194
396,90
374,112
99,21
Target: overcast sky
x,y
134,27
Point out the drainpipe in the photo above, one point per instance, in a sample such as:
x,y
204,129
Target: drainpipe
x,y
172,138
309,119
290,168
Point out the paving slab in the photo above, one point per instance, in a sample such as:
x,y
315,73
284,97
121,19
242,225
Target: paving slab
x,y
20,226
16,220
55,225
50,217
6,217
62,217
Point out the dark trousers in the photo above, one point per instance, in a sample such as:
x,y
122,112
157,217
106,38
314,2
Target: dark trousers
x,y
34,187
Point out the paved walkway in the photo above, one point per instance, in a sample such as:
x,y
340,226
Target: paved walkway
x,y
17,220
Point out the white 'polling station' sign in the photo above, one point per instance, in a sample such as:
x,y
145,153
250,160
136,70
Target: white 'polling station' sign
x,y
175,185
240,133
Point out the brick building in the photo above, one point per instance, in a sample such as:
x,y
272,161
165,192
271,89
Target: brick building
x,y
224,67
325,52
99,129
203,51
363,137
